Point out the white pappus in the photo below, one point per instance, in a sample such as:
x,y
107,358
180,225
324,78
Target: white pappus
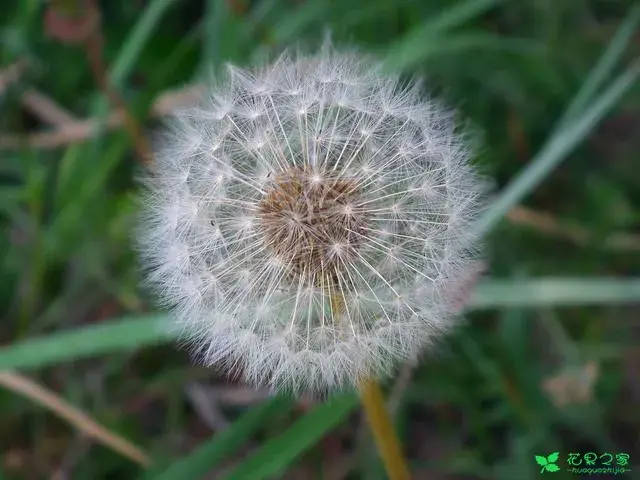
x,y
304,222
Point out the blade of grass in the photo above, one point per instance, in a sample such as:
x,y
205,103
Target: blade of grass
x,y
411,48
298,20
76,417
603,67
206,457
225,37
124,334
82,182
278,454
488,368
575,124
456,44
138,332
136,41
64,225
555,150
128,56
216,15
462,43
260,13
540,292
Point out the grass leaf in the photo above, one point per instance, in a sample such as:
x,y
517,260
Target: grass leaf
x,y
420,41
137,39
139,332
278,454
540,292
208,456
124,334
306,14
603,68
576,124
557,149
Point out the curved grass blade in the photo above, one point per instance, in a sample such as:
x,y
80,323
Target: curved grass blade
x,y
128,55
410,50
575,125
603,68
223,444
76,417
124,334
278,454
136,41
556,150
298,20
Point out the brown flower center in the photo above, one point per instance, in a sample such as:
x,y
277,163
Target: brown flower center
x,y
312,220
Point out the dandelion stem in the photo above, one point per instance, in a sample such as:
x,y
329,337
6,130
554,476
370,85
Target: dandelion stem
x,y
383,431
378,417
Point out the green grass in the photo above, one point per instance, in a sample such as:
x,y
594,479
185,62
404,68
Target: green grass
x,y
550,88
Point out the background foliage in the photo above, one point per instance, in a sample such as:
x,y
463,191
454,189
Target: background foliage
x,y
548,358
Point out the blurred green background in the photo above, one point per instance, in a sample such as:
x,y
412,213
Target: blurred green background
x,y
548,356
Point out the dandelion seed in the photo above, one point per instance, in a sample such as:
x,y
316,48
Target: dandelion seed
x,y
314,182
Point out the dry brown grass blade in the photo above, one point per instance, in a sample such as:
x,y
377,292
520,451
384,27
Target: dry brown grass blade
x,y
81,130
71,133
11,74
79,22
93,45
543,222
46,109
84,423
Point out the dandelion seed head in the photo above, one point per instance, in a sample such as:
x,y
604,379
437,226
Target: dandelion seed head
x,y
304,222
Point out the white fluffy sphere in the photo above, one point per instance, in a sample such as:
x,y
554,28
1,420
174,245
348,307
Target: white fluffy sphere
x,y
305,222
